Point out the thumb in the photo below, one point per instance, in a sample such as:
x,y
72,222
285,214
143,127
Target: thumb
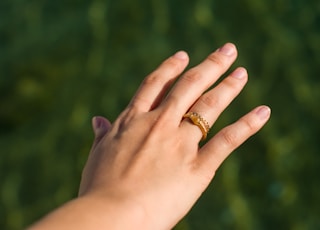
x,y
100,126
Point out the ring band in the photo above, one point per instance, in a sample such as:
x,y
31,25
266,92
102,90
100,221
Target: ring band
x,y
200,122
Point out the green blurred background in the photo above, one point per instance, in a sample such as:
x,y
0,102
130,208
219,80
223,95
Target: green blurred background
x,y
62,62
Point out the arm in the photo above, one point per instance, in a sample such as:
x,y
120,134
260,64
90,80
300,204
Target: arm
x,y
146,170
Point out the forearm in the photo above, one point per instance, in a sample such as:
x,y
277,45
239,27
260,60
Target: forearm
x,y
93,213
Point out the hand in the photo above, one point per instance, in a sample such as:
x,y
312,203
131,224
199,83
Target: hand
x,y
149,159
146,170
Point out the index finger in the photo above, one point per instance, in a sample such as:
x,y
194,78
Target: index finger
x,y
155,85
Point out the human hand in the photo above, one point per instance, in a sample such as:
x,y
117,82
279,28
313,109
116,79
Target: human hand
x,y
149,159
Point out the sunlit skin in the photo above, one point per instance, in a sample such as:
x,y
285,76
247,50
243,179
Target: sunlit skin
x,y
146,169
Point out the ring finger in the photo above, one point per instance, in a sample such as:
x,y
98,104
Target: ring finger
x,y
210,105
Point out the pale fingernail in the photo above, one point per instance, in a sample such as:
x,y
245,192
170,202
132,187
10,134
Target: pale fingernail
x,y
228,49
263,112
181,55
98,122
239,73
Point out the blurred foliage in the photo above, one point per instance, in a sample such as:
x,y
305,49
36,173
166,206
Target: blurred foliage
x,y
62,62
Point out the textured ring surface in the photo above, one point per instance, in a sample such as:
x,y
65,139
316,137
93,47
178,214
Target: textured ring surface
x,y
199,121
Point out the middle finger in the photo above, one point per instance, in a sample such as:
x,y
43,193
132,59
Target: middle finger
x,y
198,79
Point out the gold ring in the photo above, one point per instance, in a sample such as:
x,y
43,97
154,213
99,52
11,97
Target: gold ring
x,y
200,122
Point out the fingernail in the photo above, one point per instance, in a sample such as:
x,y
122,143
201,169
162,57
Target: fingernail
x,y
228,49
181,55
98,122
263,112
239,73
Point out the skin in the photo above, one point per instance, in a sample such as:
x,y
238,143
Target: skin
x,y
146,170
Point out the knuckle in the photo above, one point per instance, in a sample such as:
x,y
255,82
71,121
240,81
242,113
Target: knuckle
x,y
249,125
229,138
205,174
140,101
210,101
216,60
192,76
230,83
152,79
160,124
168,112
172,63
166,69
170,66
